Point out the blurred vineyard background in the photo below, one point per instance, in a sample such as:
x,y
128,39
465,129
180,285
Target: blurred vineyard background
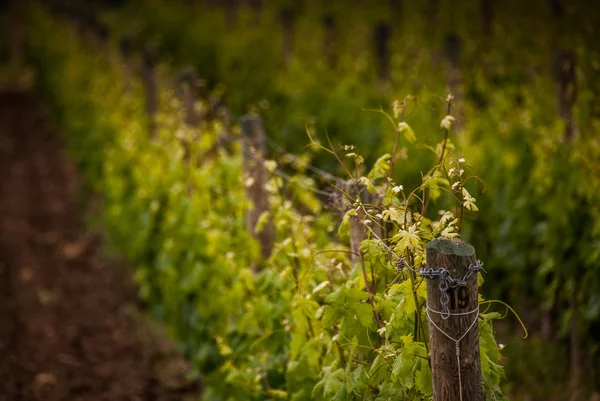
x,y
525,79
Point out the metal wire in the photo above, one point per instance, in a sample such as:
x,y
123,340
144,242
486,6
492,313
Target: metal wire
x,y
322,173
285,176
447,281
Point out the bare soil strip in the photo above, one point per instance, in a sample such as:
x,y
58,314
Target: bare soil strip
x,y
65,329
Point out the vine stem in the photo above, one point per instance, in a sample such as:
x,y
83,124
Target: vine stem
x,y
419,321
441,160
396,142
370,289
446,131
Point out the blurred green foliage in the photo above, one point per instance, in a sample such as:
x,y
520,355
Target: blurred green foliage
x,y
539,226
538,230
306,323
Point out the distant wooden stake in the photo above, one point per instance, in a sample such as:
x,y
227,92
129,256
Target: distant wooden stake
x,y
16,33
329,42
358,229
254,152
150,87
455,256
566,89
487,17
187,83
286,18
126,51
454,80
381,37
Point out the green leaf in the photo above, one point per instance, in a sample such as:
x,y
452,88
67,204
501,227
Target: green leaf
x,y
379,371
364,314
342,394
395,215
277,394
402,370
409,134
406,240
262,220
423,380
369,184
380,168
372,248
349,304
344,229
330,383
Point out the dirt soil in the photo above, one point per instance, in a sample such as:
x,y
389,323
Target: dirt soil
x,y
67,330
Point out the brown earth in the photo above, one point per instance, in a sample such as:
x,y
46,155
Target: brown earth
x,y
68,327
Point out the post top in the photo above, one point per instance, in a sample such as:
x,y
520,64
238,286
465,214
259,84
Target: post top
x,y
451,246
251,125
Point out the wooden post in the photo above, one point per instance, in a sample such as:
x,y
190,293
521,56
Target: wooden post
x,y
187,83
150,84
566,89
564,71
126,52
286,18
432,18
381,36
16,33
254,147
358,230
395,7
455,256
224,139
257,7
329,43
452,49
101,35
231,8
487,17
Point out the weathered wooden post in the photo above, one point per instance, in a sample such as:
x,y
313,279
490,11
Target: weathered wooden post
x,y
150,85
453,310
254,147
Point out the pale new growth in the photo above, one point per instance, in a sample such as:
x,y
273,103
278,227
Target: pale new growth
x,y
447,122
270,165
469,201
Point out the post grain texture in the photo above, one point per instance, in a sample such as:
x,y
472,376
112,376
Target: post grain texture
x,y
455,256
254,153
